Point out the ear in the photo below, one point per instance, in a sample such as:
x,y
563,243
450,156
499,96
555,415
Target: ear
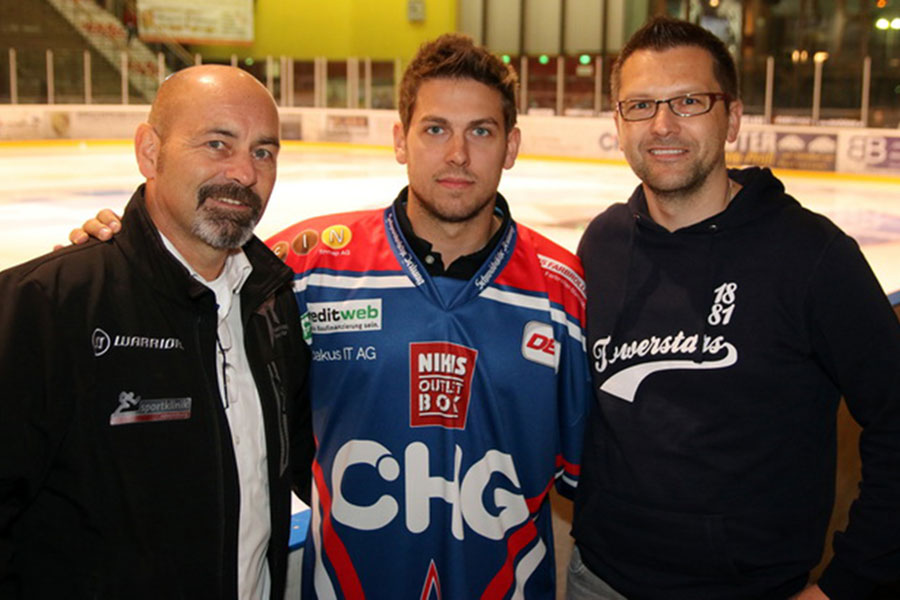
x,y
735,111
146,147
513,140
399,143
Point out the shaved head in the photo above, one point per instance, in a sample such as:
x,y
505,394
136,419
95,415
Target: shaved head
x,y
202,85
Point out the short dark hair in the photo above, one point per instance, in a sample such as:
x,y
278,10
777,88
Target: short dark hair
x,y
455,56
665,33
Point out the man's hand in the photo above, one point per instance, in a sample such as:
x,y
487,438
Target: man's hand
x,y
102,227
813,592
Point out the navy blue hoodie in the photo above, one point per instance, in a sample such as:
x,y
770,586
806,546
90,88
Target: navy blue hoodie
x,y
719,354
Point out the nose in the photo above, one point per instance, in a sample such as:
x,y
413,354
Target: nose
x,y
664,122
458,151
241,169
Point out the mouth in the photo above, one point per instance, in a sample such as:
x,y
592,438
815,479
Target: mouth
x,y
455,183
229,197
229,201
667,152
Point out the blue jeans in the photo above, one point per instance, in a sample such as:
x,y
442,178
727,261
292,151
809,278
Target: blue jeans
x,y
582,584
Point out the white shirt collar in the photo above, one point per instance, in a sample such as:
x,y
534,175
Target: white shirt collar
x,y
229,282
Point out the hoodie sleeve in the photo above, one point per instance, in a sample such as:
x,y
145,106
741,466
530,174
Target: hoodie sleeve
x,y
857,339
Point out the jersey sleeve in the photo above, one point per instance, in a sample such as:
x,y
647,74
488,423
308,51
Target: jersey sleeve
x,y
566,291
574,404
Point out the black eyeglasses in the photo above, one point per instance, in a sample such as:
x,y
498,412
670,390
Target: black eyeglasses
x,y
688,105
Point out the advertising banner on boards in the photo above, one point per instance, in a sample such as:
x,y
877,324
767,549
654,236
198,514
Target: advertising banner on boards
x,y
196,22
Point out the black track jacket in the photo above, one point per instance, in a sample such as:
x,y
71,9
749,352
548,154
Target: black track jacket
x,y
117,470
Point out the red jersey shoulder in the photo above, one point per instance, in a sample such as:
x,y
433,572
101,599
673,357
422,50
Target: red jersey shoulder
x,y
540,264
352,241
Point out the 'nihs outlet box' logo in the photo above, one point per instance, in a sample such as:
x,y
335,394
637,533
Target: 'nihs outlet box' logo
x,y
350,315
440,379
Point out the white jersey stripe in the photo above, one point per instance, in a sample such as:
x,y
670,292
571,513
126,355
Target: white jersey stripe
x,y
536,303
321,580
346,282
527,566
402,281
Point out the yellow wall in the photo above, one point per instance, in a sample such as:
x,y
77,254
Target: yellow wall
x,y
340,28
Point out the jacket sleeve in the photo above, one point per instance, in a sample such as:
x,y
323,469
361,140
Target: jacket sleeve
x,y
856,337
302,442
32,416
574,402
303,446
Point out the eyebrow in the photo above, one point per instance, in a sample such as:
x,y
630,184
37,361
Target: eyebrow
x,y
220,131
265,141
268,141
485,121
474,123
673,94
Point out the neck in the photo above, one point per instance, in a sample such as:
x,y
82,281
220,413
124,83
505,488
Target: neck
x,y
208,261
203,258
452,239
682,209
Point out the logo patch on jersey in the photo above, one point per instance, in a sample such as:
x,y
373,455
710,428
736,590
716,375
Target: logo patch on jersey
x,y
538,344
280,249
305,241
564,272
440,375
306,326
350,315
336,236
133,409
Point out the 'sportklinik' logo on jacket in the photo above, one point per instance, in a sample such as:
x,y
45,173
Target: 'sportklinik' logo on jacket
x,y
625,383
133,409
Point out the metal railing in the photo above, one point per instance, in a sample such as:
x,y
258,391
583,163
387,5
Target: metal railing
x,y
775,89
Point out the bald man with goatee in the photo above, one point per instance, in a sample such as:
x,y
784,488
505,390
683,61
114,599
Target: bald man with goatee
x,y
153,414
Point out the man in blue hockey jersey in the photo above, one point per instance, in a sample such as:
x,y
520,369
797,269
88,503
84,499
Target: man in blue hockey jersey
x,y
449,380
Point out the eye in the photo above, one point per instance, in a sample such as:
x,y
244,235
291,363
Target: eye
x,y
434,130
481,131
687,100
263,154
216,144
639,104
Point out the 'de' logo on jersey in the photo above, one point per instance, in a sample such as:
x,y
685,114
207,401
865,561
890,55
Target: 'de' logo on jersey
x,y
440,379
538,344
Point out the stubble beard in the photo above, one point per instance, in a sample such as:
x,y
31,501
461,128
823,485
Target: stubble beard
x,y
678,189
444,215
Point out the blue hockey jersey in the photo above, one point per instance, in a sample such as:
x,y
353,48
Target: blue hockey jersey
x,y
443,410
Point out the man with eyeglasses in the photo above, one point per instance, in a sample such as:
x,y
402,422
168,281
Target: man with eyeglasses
x,y
724,323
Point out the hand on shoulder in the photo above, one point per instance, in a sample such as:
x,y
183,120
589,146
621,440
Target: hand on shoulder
x,y
101,227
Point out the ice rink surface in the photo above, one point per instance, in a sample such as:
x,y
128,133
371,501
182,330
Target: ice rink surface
x,y
47,188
